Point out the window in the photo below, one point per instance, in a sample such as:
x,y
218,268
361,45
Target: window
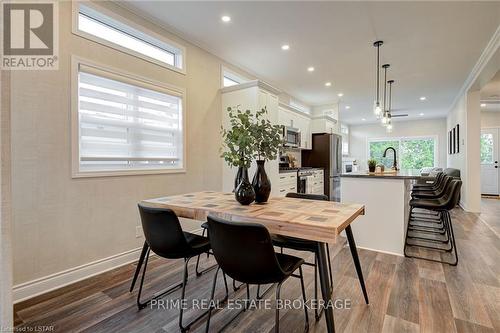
x,y
487,148
125,125
230,78
95,25
412,152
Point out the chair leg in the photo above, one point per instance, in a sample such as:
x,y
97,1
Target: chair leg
x,y
212,294
277,318
197,267
236,288
304,299
145,248
355,258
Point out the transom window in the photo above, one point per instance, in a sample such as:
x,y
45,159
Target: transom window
x,y
126,124
230,78
93,23
412,152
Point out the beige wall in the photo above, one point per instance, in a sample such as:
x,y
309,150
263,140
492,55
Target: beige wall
x,y
6,313
359,135
490,119
60,222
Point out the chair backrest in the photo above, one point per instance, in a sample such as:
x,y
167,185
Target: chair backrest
x,y
163,232
244,251
307,196
441,190
453,194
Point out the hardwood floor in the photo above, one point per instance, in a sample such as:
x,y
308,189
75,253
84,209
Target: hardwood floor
x,y
406,295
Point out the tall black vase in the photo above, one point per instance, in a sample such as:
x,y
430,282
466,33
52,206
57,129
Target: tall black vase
x,y
237,179
261,183
244,192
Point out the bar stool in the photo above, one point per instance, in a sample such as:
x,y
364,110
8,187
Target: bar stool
x,y
440,205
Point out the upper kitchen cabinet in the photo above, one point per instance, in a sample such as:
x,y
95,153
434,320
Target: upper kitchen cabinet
x,y
290,116
324,124
253,96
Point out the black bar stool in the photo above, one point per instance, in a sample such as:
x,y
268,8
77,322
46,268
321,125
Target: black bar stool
x,y
245,252
165,237
439,202
312,246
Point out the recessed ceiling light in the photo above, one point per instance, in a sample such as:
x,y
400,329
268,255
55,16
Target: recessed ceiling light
x,y
421,114
310,69
285,47
340,94
328,84
225,18
347,107
483,105
363,119
423,98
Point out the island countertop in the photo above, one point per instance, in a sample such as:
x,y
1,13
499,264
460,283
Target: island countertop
x,y
400,174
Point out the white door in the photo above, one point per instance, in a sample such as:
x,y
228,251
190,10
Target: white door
x,y
489,161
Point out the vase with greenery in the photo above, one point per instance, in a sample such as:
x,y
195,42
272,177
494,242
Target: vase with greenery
x,y
268,141
238,150
372,164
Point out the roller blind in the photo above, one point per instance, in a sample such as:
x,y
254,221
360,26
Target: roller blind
x,y
124,125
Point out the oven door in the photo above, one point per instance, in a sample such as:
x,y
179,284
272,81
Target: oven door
x,y
302,184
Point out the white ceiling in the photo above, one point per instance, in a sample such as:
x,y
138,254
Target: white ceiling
x,y
490,94
431,46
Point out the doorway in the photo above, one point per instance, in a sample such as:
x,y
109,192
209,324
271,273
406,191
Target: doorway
x,y
490,171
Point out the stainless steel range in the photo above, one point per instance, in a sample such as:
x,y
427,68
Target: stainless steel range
x,y
304,176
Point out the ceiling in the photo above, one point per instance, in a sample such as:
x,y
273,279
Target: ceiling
x,y
490,94
431,46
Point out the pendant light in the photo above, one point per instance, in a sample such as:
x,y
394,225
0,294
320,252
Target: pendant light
x,y
389,115
385,114
377,110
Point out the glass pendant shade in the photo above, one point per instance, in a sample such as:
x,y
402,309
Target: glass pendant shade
x,y
377,110
388,128
384,118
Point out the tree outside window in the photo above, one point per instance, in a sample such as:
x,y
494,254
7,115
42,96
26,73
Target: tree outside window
x,y
413,153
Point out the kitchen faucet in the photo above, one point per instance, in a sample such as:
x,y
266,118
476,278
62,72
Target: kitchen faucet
x,y
395,163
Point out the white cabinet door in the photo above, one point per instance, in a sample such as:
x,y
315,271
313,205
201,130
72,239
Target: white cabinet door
x,y
489,161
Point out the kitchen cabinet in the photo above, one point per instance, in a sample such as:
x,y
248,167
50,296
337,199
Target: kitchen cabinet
x,y
324,124
316,183
252,95
287,183
288,116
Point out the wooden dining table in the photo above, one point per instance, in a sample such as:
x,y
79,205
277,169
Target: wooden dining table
x,y
316,220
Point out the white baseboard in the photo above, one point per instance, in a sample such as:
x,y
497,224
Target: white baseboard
x,y
26,290
386,252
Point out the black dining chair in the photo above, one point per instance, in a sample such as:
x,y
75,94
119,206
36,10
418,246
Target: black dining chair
x,y
245,252
312,246
165,237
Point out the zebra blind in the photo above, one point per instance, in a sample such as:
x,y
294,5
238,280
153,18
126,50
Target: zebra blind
x,y
126,125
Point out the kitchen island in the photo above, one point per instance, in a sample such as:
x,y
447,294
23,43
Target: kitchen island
x,y
385,197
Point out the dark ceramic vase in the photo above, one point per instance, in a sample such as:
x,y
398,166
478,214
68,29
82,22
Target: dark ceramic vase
x,y
261,183
244,192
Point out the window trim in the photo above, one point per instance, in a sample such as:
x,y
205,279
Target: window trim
x,y
124,76
403,138
133,25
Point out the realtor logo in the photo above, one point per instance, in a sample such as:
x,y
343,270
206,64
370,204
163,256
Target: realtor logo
x,y
30,35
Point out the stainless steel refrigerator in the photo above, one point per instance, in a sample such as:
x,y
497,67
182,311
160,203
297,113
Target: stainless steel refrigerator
x,y
326,153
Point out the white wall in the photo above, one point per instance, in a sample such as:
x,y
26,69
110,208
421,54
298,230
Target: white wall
x,y
490,119
61,223
466,113
359,135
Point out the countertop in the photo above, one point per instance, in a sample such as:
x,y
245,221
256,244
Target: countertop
x,y
400,174
297,169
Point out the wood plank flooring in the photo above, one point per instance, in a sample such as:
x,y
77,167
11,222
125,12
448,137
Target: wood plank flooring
x,y
406,295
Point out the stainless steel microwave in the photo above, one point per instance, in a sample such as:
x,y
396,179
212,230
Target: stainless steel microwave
x,y
291,137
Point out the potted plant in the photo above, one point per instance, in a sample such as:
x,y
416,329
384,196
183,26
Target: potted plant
x,y
239,147
268,141
372,163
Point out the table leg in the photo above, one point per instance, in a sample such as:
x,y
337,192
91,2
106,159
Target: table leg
x,y
325,287
355,258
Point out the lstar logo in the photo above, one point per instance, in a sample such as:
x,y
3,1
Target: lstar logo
x,y
30,35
